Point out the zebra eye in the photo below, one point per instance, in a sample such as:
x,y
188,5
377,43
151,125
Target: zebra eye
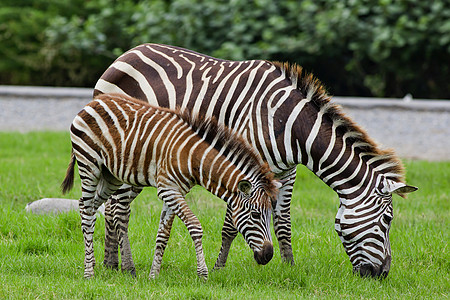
x,y
256,214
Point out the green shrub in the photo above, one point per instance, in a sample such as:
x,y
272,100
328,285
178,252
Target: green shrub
x,y
362,47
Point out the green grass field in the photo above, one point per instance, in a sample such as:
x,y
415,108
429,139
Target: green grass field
x,y
41,257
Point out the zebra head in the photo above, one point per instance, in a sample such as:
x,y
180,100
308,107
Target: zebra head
x,y
363,224
251,212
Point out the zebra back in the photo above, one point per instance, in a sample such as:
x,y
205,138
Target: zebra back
x,y
128,122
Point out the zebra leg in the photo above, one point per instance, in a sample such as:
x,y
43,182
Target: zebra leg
x,y
229,232
111,238
282,217
176,202
87,213
121,215
121,212
94,193
162,237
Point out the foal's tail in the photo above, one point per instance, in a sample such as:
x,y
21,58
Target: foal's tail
x,y
67,184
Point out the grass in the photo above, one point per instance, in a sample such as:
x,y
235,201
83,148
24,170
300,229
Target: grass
x,y
42,256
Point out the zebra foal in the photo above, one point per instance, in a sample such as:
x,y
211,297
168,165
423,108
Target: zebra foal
x,y
117,139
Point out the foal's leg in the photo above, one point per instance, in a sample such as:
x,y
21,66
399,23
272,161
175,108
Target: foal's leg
x,y
162,237
111,238
176,202
229,232
87,213
94,192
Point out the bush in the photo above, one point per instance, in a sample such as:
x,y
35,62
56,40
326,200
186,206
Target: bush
x,y
362,47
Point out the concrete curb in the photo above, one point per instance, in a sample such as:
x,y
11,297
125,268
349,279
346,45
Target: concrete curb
x,y
31,92
386,103
45,92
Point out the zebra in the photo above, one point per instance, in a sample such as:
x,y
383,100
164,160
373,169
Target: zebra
x,y
288,117
117,139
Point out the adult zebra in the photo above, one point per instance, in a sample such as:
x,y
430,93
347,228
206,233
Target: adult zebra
x,y
117,140
288,117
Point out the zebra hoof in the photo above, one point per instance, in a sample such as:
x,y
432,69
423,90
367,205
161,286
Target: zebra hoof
x,y
112,266
203,278
153,275
289,261
203,274
218,267
131,272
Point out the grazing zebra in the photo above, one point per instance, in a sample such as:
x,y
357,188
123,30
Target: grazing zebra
x,y
117,140
288,117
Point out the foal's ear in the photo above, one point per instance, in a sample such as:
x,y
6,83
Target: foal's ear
x,y
245,187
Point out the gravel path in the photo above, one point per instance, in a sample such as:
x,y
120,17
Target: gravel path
x,y
413,134
416,129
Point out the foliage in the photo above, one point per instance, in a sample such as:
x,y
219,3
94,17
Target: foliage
x,y
356,47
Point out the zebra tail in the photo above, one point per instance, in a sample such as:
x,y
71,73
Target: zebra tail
x,y
67,184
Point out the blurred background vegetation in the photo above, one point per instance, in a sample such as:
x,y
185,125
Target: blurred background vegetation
x,y
382,48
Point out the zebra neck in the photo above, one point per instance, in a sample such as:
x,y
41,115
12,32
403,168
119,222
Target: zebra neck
x,y
338,151
335,155
350,170
215,171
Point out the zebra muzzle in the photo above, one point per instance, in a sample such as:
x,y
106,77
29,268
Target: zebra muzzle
x,y
263,256
368,270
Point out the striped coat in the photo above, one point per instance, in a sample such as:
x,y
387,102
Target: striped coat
x,y
289,119
117,140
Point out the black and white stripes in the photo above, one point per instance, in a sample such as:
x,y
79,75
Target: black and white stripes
x,y
287,116
118,140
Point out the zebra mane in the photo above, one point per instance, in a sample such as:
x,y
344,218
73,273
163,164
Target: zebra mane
x,y
313,89
210,130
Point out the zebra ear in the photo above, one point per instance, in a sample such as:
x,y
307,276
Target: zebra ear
x,y
406,189
245,187
399,188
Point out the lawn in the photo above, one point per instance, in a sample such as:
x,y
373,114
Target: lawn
x,y
42,256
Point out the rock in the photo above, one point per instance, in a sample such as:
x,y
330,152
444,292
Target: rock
x,y
55,206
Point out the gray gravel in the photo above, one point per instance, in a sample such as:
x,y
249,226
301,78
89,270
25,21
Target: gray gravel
x,y
415,129
40,108
412,134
